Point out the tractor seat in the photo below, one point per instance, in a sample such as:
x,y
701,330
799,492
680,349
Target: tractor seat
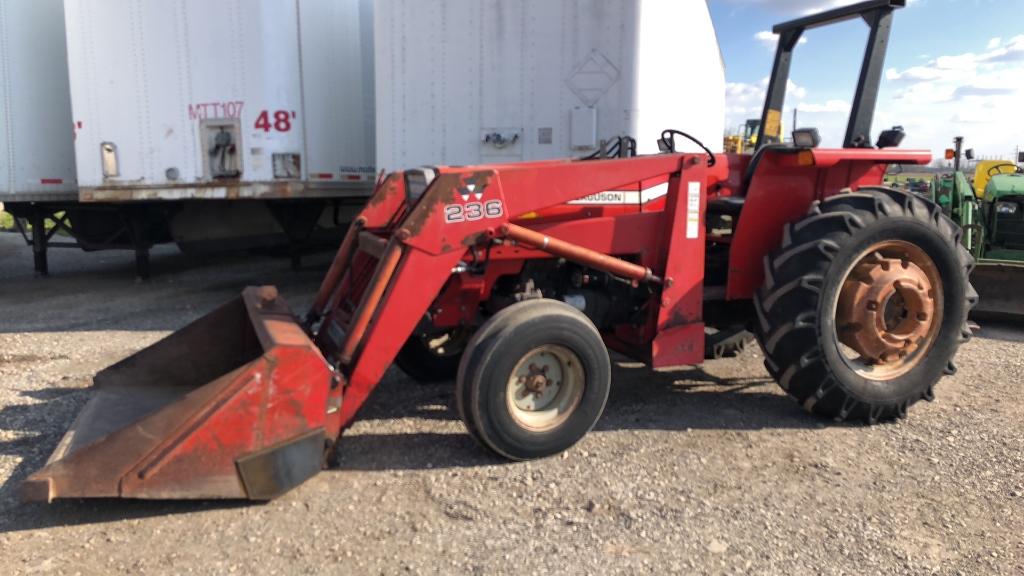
x,y
731,205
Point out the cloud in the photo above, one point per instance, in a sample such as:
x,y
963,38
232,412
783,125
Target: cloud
x,y
770,40
745,100
829,107
975,116
964,91
960,76
960,67
1012,51
975,94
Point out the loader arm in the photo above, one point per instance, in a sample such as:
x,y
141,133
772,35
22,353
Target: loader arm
x,y
247,401
361,324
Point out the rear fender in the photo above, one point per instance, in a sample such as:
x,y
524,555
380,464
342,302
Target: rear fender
x,y
781,191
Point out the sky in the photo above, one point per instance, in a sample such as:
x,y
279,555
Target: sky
x,y
954,68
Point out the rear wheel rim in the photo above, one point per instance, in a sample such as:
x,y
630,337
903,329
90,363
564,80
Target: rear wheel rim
x,y
889,310
545,388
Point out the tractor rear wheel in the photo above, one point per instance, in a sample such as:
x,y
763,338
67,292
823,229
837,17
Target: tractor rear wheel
x,y
534,380
865,304
431,358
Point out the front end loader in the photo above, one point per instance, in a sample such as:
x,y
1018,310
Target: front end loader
x,y
857,294
992,219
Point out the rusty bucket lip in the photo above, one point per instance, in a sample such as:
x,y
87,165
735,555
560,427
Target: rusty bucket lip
x,y
917,256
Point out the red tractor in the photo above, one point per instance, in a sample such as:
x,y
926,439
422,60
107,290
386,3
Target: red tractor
x,y
857,294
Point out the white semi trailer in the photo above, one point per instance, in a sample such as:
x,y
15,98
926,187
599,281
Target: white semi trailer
x,y
479,81
37,155
224,123
231,121
242,99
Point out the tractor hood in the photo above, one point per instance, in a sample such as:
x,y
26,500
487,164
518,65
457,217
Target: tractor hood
x,y
1003,185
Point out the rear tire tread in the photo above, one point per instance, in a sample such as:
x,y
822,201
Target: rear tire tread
x,y
787,325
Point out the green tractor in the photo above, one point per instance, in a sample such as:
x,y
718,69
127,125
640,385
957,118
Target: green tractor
x,y
993,225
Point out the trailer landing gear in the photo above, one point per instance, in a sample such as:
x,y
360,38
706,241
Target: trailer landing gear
x,y
87,227
39,242
141,243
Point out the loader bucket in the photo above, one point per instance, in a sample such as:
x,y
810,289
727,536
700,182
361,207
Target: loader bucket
x,y
999,290
231,406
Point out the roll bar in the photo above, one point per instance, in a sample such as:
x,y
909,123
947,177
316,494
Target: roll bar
x,y
878,16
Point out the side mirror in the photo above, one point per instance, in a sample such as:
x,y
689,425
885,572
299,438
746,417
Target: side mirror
x,y
969,154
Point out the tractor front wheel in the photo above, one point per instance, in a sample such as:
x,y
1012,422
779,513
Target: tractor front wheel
x,y
865,304
534,380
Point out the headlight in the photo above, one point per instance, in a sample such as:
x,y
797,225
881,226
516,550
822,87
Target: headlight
x,y
806,138
1006,208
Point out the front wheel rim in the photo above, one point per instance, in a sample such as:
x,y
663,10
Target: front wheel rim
x,y
889,310
545,388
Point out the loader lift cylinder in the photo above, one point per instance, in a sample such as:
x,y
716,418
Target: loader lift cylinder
x,y
372,297
335,273
592,258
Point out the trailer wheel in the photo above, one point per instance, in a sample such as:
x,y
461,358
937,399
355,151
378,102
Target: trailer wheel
x,y
431,358
865,304
534,380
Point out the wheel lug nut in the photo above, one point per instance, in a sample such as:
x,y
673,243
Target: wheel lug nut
x,y
872,306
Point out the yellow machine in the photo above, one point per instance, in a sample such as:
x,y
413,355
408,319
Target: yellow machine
x,y
744,139
986,169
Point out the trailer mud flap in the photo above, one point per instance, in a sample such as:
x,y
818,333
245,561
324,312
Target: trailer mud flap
x,y
231,406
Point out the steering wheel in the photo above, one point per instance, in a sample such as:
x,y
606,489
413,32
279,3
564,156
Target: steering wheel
x,y
997,169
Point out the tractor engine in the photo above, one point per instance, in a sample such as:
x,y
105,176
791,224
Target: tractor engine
x,y
605,299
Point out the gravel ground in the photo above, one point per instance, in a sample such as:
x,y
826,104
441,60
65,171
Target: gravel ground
x,y
703,471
